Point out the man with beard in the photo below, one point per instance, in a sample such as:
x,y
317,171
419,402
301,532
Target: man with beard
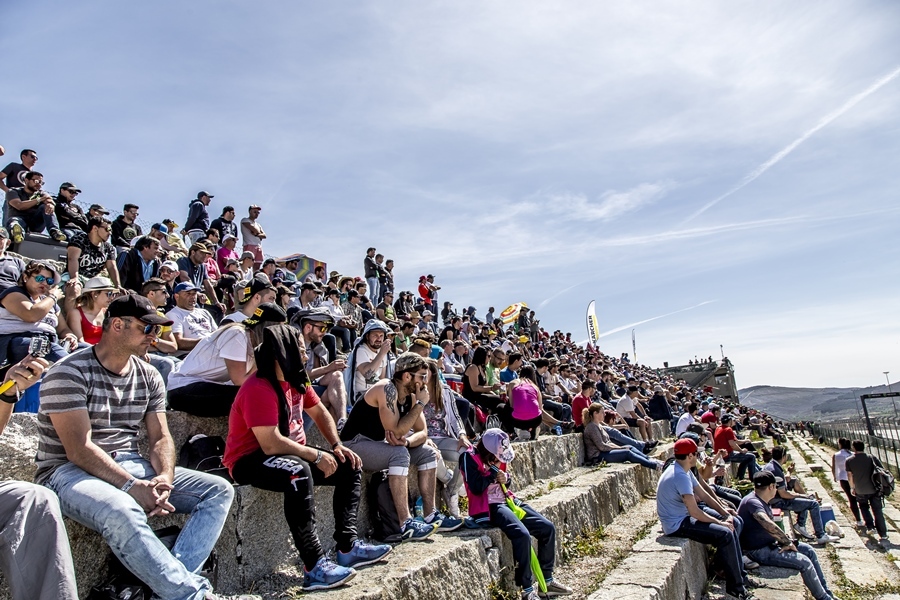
x,y
125,229
14,173
325,374
71,218
387,413
368,360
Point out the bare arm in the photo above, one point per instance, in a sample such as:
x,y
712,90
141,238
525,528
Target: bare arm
x,y
773,529
369,369
26,373
113,272
185,343
387,398
31,312
696,512
73,255
420,433
166,343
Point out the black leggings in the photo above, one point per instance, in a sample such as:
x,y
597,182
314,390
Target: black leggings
x,y
294,477
204,399
854,504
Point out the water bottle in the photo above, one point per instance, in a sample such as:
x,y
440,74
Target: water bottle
x,y
420,508
557,430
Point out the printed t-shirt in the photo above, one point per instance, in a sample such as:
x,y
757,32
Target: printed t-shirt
x,y
256,405
93,258
364,354
195,324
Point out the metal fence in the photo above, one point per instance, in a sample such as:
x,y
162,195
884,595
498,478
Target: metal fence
x,y
883,442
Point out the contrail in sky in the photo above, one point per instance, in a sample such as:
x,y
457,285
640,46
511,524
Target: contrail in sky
x,y
776,158
630,325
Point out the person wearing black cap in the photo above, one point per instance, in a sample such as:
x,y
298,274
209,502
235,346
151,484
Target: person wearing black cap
x,y
93,404
324,369
765,542
197,221
257,291
71,218
212,373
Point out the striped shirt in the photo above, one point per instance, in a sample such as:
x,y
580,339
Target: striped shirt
x,y
116,405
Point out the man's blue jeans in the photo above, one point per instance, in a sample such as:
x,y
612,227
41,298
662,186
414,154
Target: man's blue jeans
x,y
728,549
745,460
804,559
123,524
372,284
802,506
623,440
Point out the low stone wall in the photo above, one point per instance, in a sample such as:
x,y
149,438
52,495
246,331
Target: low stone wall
x,y
255,541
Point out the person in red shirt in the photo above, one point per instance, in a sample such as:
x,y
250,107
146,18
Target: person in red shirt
x,y
725,439
266,448
424,291
581,402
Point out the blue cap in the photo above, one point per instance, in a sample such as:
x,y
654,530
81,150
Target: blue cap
x,y
160,227
186,286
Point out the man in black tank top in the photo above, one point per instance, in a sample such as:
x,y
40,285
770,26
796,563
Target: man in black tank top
x,y
387,413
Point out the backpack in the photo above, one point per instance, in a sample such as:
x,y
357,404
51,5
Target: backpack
x,y
204,453
382,512
882,479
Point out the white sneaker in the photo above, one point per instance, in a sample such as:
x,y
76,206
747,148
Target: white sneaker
x,y
825,538
803,532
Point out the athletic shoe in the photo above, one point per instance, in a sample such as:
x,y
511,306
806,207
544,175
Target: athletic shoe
x,y
362,554
860,524
754,583
18,235
660,465
872,532
414,530
825,538
749,564
802,532
532,595
444,522
555,588
885,543
58,235
650,445
326,575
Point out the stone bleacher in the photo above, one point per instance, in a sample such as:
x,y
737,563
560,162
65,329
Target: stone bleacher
x,y
255,542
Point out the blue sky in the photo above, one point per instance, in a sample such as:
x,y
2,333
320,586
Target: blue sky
x,y
551,153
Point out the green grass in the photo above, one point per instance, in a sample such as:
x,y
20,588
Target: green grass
x,y
497,592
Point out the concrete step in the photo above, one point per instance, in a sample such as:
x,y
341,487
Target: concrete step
x,y
255,541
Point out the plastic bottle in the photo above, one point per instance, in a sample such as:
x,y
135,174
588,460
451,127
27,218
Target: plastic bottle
x,y
420,508
557,430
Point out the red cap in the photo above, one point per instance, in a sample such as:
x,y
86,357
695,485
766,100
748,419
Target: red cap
x,y
685,446
708,417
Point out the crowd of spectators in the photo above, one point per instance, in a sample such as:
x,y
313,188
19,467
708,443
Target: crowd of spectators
x,y
138,324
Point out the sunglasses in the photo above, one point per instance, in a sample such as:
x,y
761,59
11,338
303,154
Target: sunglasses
x,y
43,278
150,328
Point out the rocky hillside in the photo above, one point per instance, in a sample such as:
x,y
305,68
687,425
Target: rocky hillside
x,y
816,404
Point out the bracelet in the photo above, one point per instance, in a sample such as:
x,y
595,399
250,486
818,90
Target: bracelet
x,y
128,484
336,444
420,403
318,457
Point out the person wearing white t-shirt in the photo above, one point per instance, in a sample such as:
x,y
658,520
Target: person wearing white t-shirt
x,y
190,323
686,420
253,235
627,407
369,359
211,375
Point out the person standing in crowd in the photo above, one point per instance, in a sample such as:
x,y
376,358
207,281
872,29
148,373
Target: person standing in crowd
x,y
860,468
839,471
125,228
14,173
765,542
197,222
30,209
253,235
677,495
387,429
71,218
370,268
92,406
484,468
35,557
225,224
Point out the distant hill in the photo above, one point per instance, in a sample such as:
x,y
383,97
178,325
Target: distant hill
x,y
816,404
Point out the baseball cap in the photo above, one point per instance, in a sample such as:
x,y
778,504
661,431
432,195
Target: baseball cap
x,y
268,311
685,446
171,223
320,315
496,441
160,227
70,186
100,208
247,254
186,286
170,264
201,194
308,286
132,305
765,478
228,237
4,234
707,417
690,435
268,261
256,206
257,284
200,247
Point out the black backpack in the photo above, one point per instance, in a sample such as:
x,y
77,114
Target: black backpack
x,y
382,512
204,453
882,479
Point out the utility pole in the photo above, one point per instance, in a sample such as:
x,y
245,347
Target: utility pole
x,y
722,350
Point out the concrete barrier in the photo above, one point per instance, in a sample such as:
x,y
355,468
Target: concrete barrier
x,y
255,541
